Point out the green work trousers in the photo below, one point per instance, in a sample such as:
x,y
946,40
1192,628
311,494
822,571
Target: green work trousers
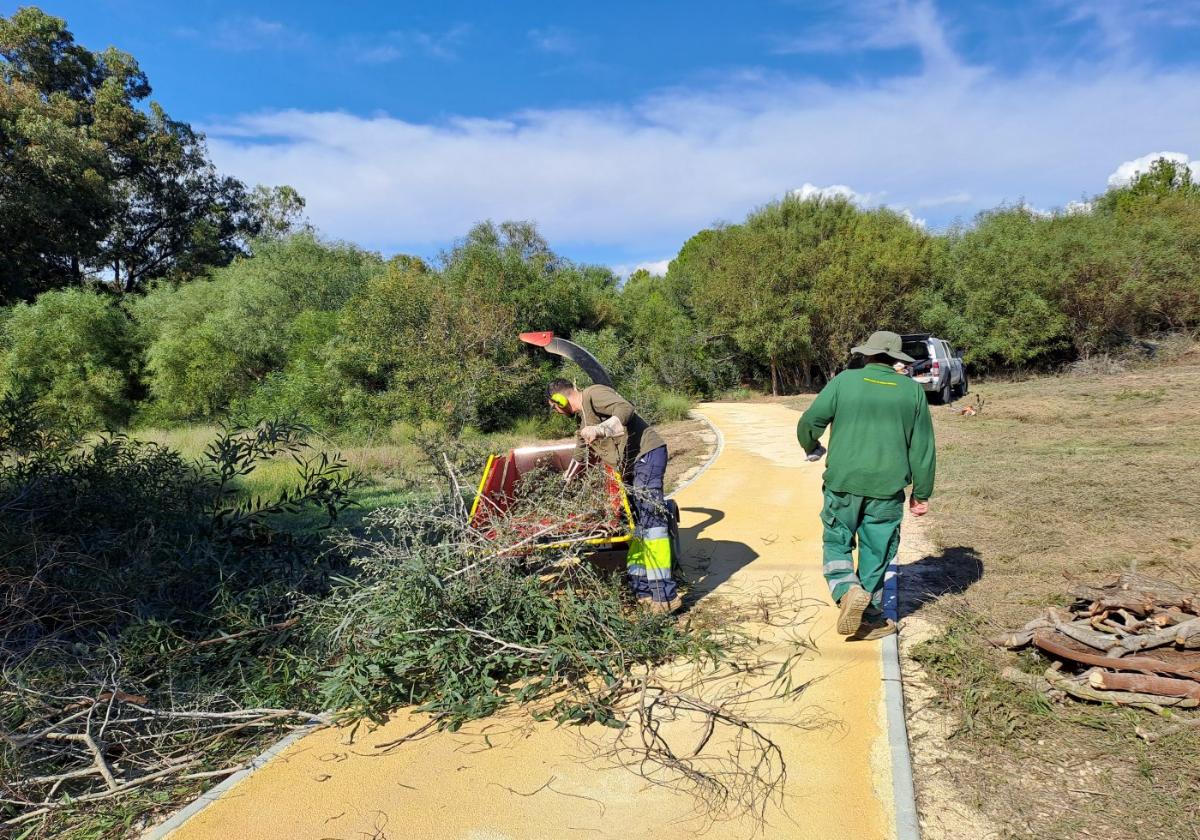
x,y
875,525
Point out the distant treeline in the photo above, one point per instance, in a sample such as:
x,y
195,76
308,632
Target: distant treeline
x,y
146,288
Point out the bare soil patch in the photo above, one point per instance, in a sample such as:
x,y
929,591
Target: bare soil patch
x,y
690,443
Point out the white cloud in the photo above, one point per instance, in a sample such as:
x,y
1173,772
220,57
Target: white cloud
x,y
655,267
1120,23
242,33
398,44
643,177
1130,169
553,40
1077,208
879,25
807,191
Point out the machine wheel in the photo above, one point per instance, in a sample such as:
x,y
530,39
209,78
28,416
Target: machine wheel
x,y
947,394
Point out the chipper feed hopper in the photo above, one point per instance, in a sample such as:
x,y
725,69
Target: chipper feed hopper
x,y
494,500
610,528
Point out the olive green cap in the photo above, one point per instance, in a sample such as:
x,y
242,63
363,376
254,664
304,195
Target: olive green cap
x,y
883,343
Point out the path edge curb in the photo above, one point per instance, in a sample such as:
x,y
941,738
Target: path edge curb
x,y
712,459
177,819
908,826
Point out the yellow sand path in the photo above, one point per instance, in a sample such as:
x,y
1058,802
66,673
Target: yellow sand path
x,y
751,519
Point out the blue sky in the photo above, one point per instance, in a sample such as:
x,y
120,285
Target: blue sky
x,y
623,129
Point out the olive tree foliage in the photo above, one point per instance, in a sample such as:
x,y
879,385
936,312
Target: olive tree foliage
x,y
414,345
666,344
868,274
1025,290
1158,214
212,342
74,354
515,265
802,280
993,295
420,343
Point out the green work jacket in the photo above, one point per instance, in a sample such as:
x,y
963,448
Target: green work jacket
x,y
882,437
601,402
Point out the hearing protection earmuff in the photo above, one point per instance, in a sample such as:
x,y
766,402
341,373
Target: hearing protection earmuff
x,y
559,400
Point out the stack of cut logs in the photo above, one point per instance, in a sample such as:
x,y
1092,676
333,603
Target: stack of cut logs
x,y
1132,641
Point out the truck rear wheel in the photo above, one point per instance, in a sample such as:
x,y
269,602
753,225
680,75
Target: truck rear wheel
x,y
947,394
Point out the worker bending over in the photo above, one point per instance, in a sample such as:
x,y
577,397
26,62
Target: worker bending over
x,y
619,437
882,439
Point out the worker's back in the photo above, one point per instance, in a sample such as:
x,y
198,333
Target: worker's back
x,y
601,402
881,436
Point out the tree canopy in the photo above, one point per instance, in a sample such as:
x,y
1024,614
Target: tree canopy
x,y
98,181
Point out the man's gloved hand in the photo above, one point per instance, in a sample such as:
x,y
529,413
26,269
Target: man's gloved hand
x,y
816,454
612,427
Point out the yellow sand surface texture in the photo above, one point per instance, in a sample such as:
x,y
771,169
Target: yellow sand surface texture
x,y
751,537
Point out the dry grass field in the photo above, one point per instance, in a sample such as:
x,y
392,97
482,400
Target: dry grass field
x,y
1061,477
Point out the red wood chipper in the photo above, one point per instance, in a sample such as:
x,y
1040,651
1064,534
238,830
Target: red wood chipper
x,y
496,495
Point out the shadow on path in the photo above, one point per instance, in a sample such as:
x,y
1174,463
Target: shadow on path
x,y
707,563
949,573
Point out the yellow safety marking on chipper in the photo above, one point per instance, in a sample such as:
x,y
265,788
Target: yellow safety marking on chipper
x,y
592,541
624,538
487,469
624,500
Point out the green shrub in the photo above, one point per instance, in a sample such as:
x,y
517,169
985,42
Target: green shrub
x,y
76,352
259,324
672,405
415,347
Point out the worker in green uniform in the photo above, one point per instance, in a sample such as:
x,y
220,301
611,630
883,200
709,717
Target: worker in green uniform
x,y
881,441
619,436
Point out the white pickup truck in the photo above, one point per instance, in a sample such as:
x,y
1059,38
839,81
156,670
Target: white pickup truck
x,y
938,369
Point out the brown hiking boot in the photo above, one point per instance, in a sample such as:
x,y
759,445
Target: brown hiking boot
x,y
666,607
878,628
853,604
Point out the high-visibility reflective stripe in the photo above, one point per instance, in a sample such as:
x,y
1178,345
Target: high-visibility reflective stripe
x,y
635,571
656,533
838,581
831,566
658,574
635,558
657,556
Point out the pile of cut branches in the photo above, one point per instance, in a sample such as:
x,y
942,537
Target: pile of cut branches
x,y
460,621
544,508
156,628
1132,641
